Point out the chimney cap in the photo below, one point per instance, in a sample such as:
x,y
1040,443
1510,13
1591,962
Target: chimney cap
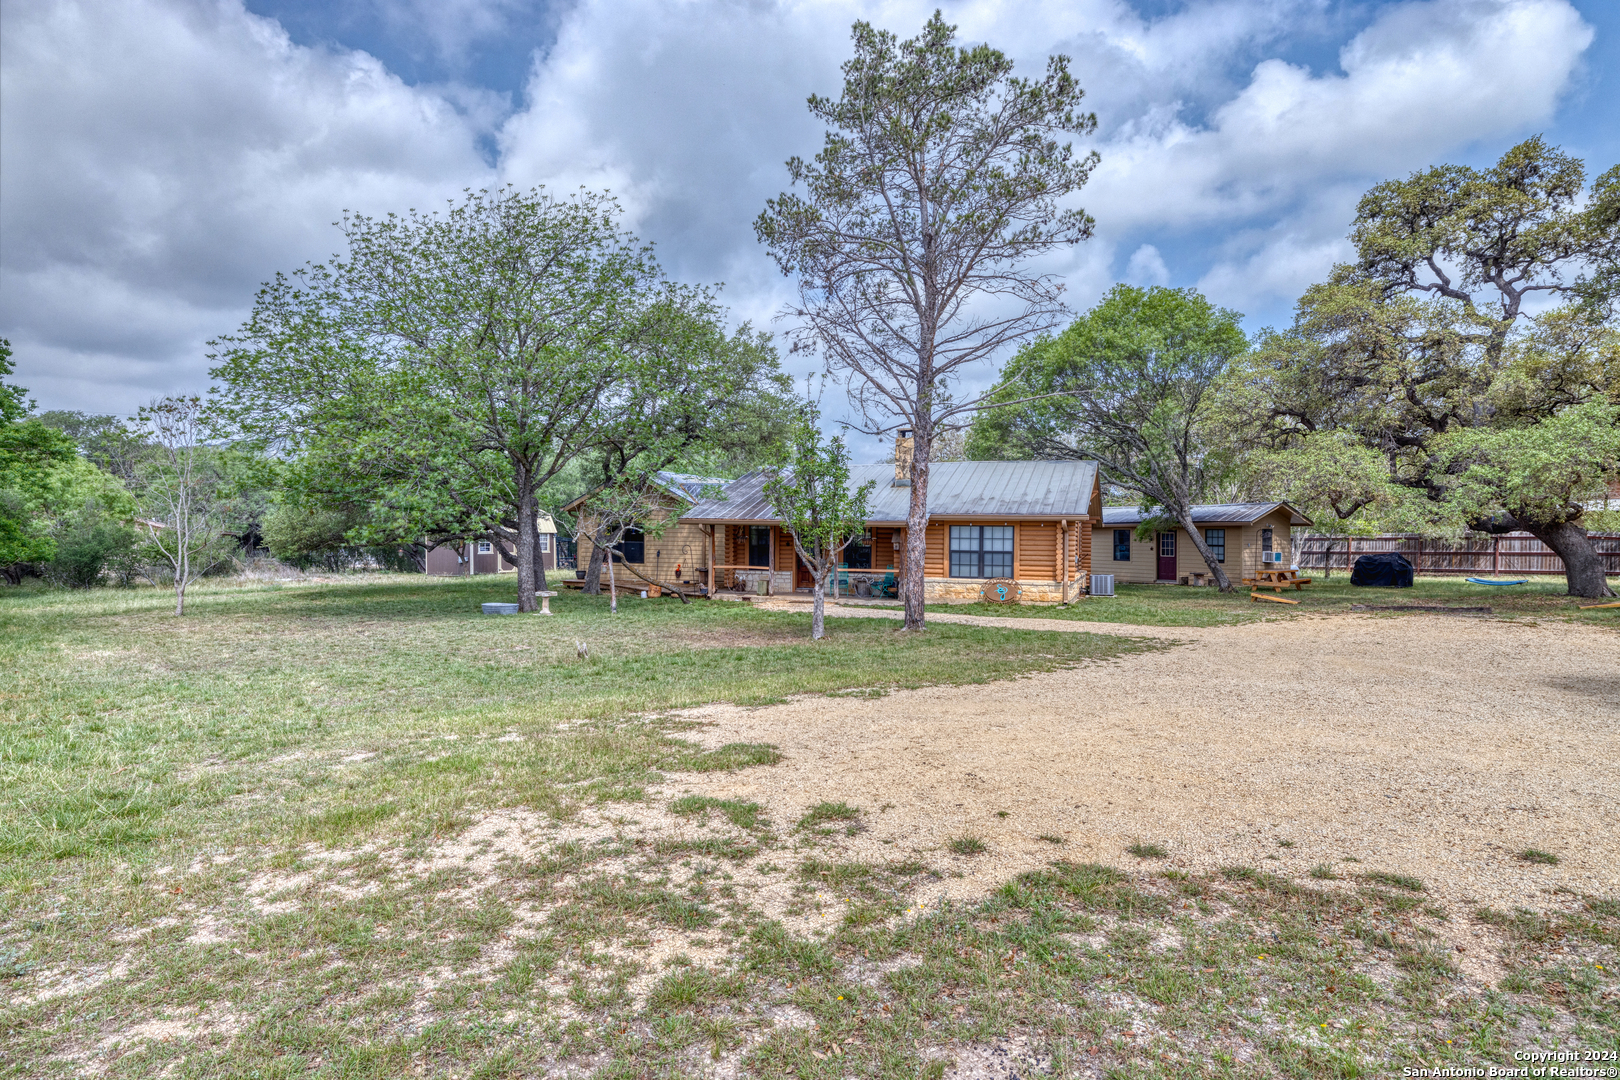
x,y
905,433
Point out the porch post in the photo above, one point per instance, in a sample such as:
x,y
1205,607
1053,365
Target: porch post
x,y
712,529
1063,559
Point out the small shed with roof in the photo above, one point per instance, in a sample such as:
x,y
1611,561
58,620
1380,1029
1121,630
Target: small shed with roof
x,y
677,554
1238,533
1030,521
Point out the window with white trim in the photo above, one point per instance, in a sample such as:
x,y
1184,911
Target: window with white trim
x,y
1216,539
485,547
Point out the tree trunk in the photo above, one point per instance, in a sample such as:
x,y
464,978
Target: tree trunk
x,y
1184,519
593,572
528,530
1583,566
911,588
613,588
818,608
540,584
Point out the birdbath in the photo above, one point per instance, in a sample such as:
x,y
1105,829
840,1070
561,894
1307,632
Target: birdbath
x,y
545,602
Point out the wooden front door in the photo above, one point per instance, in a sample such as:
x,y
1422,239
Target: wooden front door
x,y
802,577
1167,556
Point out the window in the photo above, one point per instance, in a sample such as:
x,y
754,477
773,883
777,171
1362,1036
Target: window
x,y
1167,545
858,553
1265,539
981,551
545,541
1216,539
759,545
1122,545
485,547
633,548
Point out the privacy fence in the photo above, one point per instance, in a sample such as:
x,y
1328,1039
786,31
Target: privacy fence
x,y
1510,553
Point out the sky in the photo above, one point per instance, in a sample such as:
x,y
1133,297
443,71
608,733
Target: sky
x,y
159,159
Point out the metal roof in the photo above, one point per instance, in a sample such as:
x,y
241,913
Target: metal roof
x,y
1210,513
681,485
983,489
689,484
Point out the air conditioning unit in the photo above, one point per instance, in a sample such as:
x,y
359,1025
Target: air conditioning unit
x,y
1271,557
1102,584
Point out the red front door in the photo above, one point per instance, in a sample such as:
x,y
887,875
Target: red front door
x,y
802,577
1167,556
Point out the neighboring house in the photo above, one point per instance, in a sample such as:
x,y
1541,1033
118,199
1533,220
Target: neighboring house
x,y
1030,521
1238,533
460,558
681,546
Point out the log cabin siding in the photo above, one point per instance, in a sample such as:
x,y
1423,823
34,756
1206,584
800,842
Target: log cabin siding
x,y
1035,547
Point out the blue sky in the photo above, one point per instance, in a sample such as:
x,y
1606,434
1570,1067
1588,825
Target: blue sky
x,y
160,158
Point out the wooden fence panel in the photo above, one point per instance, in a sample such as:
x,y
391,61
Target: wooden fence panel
x,y
1510,553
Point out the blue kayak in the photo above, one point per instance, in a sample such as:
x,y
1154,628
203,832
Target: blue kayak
x,y
1487,581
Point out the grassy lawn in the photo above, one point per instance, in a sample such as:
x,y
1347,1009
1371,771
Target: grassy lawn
x,y
1174,605
359,830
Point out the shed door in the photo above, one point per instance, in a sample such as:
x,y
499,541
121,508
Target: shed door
x,y
1167,556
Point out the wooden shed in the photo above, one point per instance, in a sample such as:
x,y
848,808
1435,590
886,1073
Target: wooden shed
x,y
679,552
1237,532
460,558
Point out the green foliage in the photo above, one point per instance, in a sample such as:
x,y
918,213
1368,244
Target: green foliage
x,y
453,363
90,543
106,441
1421,353
49,494
14,403
812,495
1132,384
296,534
1538,472
1339,483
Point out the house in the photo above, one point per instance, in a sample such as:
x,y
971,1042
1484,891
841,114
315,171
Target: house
x,y
1030,521
679,552
1238,533
458,558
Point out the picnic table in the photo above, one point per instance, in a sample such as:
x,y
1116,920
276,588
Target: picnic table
x,y
1277,580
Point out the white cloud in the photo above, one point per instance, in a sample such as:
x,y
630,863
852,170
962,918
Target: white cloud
x,y
1411,91
162,157
1147,267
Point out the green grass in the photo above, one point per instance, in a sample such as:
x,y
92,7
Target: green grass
x,y
360,831
126,725
1172,605
825,813
966,845
1535,855
1398,881
1148,851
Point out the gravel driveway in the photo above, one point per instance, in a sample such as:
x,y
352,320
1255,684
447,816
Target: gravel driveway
x,y
1438,747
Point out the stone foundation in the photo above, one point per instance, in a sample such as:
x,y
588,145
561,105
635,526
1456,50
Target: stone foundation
x,y
1033,592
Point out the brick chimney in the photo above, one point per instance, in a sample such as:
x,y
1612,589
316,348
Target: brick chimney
x,y
902,458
